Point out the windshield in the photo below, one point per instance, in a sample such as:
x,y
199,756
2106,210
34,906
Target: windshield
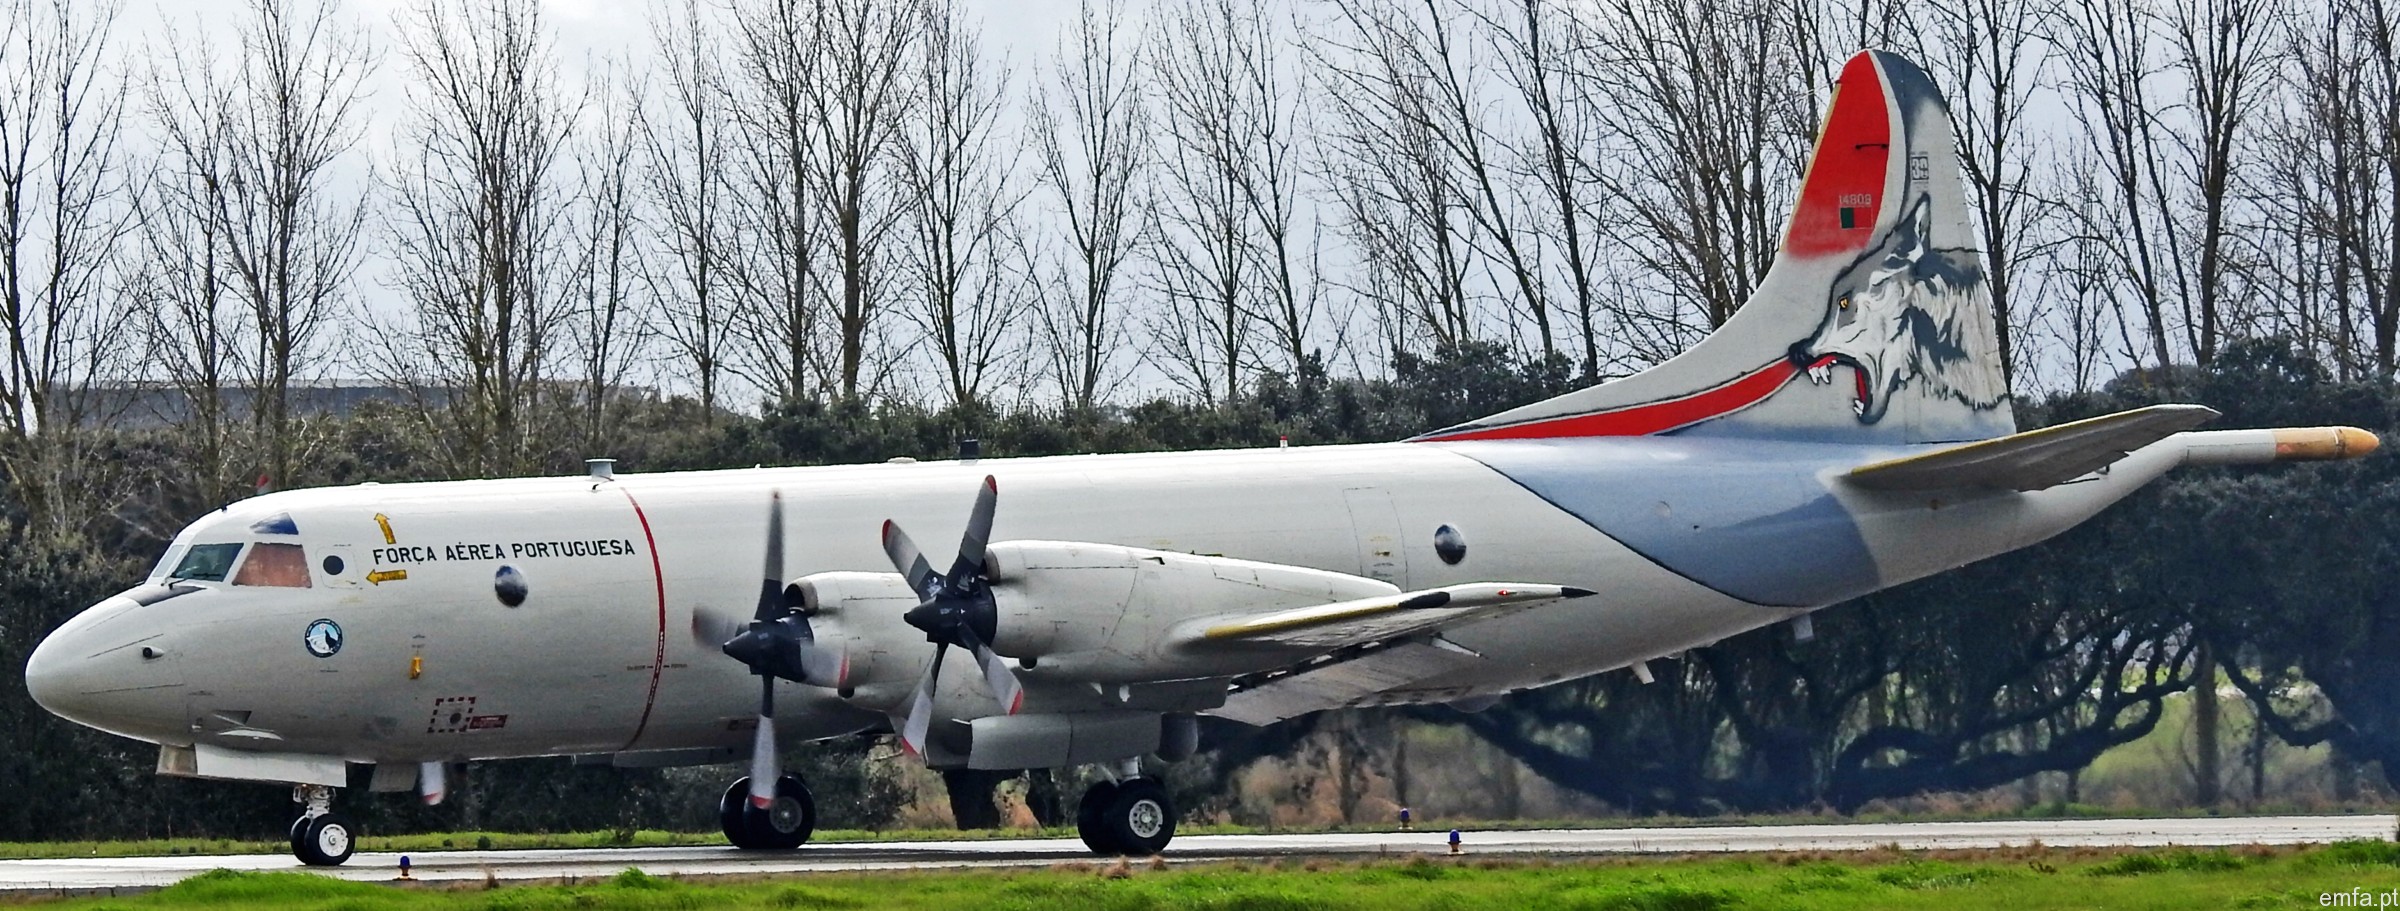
x,y
206,562
166,562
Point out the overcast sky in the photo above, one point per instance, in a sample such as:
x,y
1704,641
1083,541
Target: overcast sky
x,y
585,30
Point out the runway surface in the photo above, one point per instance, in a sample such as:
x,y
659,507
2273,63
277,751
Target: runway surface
x,y
128,874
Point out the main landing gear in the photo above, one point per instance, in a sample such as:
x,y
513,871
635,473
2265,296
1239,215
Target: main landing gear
x,y
783,824
320,837
1131,818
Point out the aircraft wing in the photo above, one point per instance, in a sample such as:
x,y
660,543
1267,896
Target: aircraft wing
x,y
1345,679
2034,459
1372,646
1347,623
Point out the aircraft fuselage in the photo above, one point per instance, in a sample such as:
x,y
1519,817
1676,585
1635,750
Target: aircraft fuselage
x,y
601,654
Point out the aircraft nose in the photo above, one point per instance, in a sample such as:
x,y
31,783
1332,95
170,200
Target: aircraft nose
x,y
45,675
100,671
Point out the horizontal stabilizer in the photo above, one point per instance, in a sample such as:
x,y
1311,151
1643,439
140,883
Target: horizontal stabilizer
x,y
1375,619
2034,459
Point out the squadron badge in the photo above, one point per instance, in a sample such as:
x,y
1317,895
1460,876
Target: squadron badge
x,y
324,637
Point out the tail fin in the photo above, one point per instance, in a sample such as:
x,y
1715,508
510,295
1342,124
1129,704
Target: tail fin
x,y
1878,277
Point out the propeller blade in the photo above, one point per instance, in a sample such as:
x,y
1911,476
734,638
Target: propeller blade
x,y
969,563
996,673
909,560
827,666
765,766
770,598
430,782
920,710
713,627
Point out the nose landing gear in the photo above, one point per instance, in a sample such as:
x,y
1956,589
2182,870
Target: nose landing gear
x,y
783,824
1130,818
320,837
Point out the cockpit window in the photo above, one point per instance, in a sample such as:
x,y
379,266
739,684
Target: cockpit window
x,y
206,562
277,565
277,524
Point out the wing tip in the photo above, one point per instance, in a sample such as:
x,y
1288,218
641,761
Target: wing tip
x,y
1569,591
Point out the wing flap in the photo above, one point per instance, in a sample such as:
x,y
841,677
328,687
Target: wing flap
x,y
1346,623
1356,681
2034,459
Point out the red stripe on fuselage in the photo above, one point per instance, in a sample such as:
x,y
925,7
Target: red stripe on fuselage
x,y
658,660
1654,417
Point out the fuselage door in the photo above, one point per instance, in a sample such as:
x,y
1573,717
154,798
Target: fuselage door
x,y
1377,527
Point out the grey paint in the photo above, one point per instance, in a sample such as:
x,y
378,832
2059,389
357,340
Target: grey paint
x,y
1751,519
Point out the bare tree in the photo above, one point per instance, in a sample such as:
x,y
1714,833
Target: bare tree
x,y
1395,181
2167,95
1705,104
610,318
61,217
862,100
775,253
2221,48
198,334
687,178
1090,133
963,209
1994,57
291,233
2339,177
1233,269
1425,63
477,222
1535,42
1198,203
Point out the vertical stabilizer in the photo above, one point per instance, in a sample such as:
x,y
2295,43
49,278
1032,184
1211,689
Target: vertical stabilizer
x,y
1872,325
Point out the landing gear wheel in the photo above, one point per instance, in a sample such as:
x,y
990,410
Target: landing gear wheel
x,y
1088,814
326,840
1132,818
297,826
782,825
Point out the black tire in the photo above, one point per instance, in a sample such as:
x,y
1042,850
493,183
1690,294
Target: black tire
x,y
297,825
729,812
1141,820
781,826
326,840
1088,815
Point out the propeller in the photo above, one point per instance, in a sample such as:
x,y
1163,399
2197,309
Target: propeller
x,y
774,645
957,609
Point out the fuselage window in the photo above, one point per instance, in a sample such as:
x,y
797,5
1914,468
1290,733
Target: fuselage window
x,y
206,562
277,565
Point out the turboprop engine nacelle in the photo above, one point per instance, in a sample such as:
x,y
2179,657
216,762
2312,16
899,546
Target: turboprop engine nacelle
x,y
854,613
1103,609
1057,598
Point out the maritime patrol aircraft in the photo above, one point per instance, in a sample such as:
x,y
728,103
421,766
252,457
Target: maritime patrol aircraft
x,y
1848,430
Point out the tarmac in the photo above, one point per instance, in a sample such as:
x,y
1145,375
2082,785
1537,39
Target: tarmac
x,y
126,875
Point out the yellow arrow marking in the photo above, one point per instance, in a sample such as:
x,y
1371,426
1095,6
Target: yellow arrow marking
x,y
387,575
386,522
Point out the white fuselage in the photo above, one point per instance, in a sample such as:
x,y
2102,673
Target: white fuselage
x,y
602,655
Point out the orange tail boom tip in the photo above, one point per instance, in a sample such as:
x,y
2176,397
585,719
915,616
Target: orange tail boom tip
x,y
2323,444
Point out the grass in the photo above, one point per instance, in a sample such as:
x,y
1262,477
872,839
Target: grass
x,y
2032,877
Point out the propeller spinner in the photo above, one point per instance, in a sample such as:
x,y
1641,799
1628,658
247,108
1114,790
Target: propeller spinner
x,y
957,610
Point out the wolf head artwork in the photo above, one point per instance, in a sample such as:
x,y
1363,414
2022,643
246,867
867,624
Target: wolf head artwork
x,y
1900,317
